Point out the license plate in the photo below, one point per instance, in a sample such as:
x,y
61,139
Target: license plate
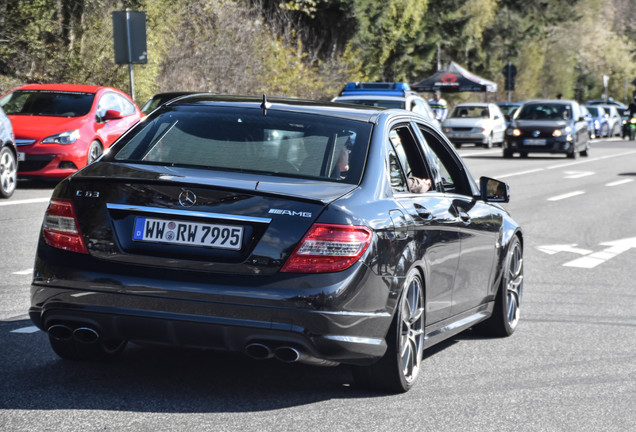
x,y
21,156
534,141
188,233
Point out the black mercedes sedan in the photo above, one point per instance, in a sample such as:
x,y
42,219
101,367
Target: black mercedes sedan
x,y
547,126
300,231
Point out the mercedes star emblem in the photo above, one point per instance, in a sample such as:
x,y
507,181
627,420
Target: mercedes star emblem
x,y
187,198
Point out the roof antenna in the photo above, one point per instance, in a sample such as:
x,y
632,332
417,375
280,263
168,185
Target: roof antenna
x,y
265,105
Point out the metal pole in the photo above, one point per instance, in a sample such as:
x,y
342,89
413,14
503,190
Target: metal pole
x,y
509,76
439,58
130,66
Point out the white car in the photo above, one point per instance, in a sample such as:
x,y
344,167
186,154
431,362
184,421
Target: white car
x,y
475,123
614,119
386,95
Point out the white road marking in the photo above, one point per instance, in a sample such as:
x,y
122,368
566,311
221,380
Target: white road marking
x,y
520,173
23,272
578,174
553,249
588,160
30,329
565,196
615,248
480,152
24,201
619,182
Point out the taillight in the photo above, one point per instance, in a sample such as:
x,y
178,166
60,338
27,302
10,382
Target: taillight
x,y
60,227
328,248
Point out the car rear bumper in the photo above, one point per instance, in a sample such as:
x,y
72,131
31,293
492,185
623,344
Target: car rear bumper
x,y
337,322
552,145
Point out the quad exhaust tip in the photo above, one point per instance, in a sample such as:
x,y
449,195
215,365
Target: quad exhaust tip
x,y
285,354
63,332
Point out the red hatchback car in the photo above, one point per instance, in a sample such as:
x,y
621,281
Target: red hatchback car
x,y
60,128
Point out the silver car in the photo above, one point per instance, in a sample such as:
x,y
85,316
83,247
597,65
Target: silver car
x,y
8,158
482,124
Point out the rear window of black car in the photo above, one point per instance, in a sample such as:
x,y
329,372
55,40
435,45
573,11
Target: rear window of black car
x,y
250,140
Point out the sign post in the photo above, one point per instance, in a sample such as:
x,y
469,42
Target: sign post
x,y
129,34
509,71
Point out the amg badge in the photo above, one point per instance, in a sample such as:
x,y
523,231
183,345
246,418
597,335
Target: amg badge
x,y
290,213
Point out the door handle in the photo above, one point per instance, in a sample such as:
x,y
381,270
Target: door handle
x,y
465,217
423,211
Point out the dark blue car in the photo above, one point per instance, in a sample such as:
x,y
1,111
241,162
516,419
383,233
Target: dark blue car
x,y
281,229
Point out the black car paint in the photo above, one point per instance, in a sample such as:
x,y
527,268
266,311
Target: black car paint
x,y
171,296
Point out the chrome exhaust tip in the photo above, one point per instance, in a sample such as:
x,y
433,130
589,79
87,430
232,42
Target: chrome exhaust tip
x,y
85,335
60,332
258,351
287,354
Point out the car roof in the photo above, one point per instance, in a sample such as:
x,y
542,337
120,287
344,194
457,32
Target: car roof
x,y
477,104
551,101
351,112
63,87
370,97
377,88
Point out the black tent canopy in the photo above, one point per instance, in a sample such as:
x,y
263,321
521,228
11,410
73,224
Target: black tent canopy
x,y
454,78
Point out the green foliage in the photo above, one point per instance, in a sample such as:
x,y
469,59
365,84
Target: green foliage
x,y
390,36
310,48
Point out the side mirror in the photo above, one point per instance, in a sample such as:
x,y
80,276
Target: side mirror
x,y
492,190
496,117
112,115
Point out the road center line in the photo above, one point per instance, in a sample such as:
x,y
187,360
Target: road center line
x,y
567,195
30,329
23,272
619,182
596,159
25,201
521,173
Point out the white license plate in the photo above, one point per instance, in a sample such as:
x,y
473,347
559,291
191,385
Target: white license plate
x,y
188,233
534,141
21,156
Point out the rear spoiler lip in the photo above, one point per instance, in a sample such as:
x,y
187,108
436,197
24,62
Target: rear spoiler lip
x,y
307,190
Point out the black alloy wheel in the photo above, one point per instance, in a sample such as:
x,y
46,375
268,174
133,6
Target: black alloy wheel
x,y
398,369
507,310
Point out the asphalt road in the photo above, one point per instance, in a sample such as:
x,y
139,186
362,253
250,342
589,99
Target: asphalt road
x,y
571,365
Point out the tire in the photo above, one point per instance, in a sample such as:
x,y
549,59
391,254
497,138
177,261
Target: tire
x,y
488,143
585,152
507,154
397,371
632,133
458,145
8,172
572,154
507,309
100,351
95,150
604,131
